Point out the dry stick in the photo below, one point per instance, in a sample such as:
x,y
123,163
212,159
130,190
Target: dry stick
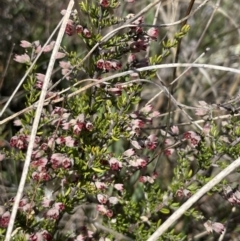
x,y
29,70
166,91
205,30
181,75
180,41
6,68
154,22
179,21
36,120
176,215
162,66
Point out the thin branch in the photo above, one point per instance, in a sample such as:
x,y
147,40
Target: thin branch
x,y
179,21
154,22
166,91
162,66
175,216
181,75
36,121
29,70
7,65
190,6
205,30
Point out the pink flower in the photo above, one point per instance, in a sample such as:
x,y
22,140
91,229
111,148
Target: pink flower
x,y
118,186
67,163
168,152
49,47
146,109
115,164
52,213
24,58
89,126
175,130
4,220
139,162
25,44
38,49
104,3
154,114
214,226
60,140
100,185
19,142
139,20
151,142
193,137
102,209
218,227
100,64
65,65
183,193
37,154
46,202
80,238
40,176
115,91
113,200
35,237
128,153
70,28
153,33
46,235
132,58
102,198
79,28
145,179
40,77
87,33
69,141
116,65
59,206
17,122
107,65
56,160
134,76
60,55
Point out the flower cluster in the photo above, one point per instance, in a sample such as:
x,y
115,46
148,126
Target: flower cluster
x,y
232,195
214,226
193,137
5,218
36,48
108,65
39,236
73,28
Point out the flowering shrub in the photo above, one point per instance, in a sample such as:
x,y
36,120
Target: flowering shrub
x,y
94,162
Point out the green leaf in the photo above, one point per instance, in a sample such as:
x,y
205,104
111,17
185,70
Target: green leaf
x,y
165,210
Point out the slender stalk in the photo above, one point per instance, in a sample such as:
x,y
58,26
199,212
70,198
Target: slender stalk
x,y
175,216
36,122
